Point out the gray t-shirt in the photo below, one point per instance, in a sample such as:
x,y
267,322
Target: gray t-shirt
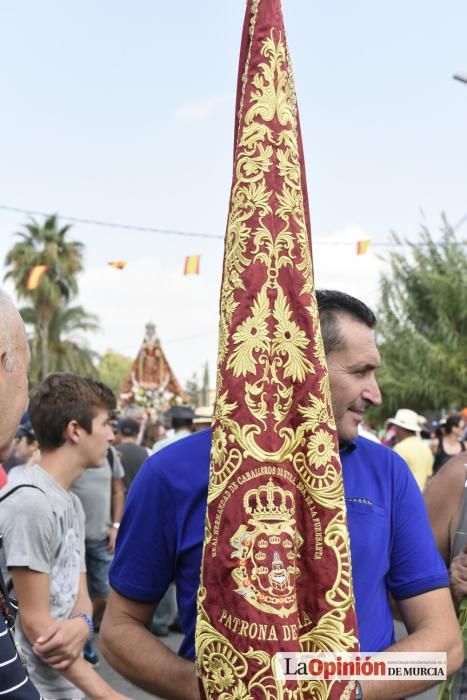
x,y
94,490
45,532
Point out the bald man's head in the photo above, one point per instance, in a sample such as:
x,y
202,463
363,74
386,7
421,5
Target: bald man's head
x,y
14,364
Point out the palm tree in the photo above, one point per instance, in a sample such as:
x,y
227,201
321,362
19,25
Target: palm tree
x,y
67,350
45,244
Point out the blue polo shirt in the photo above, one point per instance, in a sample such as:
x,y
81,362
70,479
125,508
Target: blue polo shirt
x,y
161,535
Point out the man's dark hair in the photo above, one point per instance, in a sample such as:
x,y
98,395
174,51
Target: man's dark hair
x,y
180,423
61,398
180,417
129,427
331,304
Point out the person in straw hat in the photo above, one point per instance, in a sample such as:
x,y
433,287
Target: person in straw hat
x,y
410,446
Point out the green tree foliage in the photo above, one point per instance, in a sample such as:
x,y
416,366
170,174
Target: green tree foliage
x,y
45,244
67,348
422,325
113,369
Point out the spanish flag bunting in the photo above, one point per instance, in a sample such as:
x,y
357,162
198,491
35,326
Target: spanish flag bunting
x,y
118,264
276,573
362,247
191,265
35,276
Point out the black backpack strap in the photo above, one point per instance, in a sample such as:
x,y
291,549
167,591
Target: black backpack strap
x,y
21,486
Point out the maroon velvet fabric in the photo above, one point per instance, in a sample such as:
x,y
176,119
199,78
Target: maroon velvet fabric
x,y
276,572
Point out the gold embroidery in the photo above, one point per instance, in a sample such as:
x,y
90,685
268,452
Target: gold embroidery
x,y
224,669
251,337
272,529
341,594
267,353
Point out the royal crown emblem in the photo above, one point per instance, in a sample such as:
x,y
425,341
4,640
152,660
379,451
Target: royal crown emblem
x,y
269,503
267,549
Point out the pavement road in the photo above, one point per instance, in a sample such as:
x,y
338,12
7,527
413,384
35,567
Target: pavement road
x,y
173,641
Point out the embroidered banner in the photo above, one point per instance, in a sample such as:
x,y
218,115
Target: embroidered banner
x,y
276,572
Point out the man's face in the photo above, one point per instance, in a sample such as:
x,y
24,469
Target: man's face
x,y
94,446
13,388
352,376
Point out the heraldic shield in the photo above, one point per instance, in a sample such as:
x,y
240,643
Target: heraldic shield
x,y
267,549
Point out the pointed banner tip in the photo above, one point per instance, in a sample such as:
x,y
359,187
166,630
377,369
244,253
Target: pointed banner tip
x,y
117,264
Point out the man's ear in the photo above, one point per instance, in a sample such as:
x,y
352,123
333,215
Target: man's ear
x,y
3,357
73,432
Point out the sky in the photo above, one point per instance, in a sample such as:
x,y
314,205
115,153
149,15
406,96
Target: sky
x,y
123,112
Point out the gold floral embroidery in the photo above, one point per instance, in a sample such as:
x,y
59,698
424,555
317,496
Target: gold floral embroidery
x,y
219,445
222,674
329,634
320,448
316,413
251,337
290,341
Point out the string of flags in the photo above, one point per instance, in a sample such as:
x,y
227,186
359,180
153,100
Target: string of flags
x,y
191,266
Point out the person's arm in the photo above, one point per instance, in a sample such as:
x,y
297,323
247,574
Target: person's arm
x,y
155,668
57,643
51,648
33,592
443,497
118,503
83,602
432,626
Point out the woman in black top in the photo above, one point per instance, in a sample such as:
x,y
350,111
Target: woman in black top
x,y
448,442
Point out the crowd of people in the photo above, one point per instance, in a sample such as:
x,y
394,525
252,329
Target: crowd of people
x,y
102,523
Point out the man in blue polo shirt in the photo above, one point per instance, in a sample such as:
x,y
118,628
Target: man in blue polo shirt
x,y
161,535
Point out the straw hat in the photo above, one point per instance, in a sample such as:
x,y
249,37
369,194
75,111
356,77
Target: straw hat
x,y
203,414
407,419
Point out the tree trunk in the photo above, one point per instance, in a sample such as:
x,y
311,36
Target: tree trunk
x,y
44,336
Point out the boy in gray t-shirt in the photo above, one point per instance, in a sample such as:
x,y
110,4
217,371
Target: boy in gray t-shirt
x,y
43,530
43,536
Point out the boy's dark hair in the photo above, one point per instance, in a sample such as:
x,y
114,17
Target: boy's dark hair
x,y
61,398
331,303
